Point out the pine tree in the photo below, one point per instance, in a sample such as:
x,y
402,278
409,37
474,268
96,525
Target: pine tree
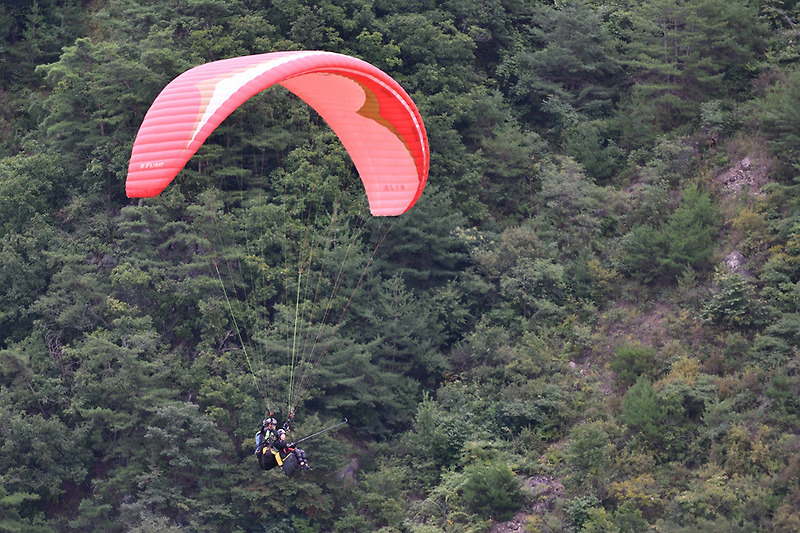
x,y
679,53
642,413
567,55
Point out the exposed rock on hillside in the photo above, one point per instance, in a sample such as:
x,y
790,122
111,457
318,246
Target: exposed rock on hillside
x,y
746,176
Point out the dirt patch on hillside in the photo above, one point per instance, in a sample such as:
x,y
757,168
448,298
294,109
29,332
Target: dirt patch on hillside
x,y
748,175
646,327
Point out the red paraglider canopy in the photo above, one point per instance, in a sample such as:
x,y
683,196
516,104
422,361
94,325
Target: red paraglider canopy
x,y
375,119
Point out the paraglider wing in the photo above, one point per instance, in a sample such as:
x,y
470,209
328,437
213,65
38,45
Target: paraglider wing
x,y
375,119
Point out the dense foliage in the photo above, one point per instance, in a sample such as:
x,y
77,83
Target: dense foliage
x,y
589,322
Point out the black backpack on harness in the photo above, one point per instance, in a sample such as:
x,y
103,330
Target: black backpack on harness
x,y
266,460
294,461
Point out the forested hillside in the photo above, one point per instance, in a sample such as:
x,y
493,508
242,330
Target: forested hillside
x,y
589,322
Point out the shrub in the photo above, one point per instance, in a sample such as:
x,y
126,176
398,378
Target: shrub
x,y
632,361
579,509
733,303
492,491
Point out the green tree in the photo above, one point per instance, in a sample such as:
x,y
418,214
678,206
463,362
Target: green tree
x,y
691,232
642,413
347,379
681,53
631,362
41,456
446,114
436,57
383,494
185,477
492,491
75,301
570,206
590,455
30,186
778,342
591,146
11,509
686,240
91,115
422,247
643,253
441,433
684,397
774,113
566,53
167,268
509,157
25,270
580,510
393,323
733,303
536,290
34,32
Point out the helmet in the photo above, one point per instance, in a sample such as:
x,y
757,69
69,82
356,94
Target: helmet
x,y
281,432
271,421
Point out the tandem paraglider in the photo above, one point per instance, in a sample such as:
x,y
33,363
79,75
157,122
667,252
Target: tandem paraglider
x,y
273,449
376,121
